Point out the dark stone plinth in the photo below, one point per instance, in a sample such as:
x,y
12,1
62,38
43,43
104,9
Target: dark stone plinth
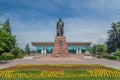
x,y
60,47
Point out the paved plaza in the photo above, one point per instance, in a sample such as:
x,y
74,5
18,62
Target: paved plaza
x,y
73,59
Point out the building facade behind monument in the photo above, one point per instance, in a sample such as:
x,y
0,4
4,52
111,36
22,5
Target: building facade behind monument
x,y
60,46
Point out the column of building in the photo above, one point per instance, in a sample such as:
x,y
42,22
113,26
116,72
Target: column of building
x,y
78,50
43,50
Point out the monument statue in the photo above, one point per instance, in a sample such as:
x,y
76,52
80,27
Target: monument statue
x,y
60,27
60,48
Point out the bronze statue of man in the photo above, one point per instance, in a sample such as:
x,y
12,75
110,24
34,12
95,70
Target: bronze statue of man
x,y
60,27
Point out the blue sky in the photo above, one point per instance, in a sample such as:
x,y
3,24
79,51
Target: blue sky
x,y
85,20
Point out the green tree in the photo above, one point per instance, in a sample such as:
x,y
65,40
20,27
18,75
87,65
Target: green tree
x,y
16,51
6,26
117,52
27,49
101,49
94,49
1,30
90,49
7,42
113,42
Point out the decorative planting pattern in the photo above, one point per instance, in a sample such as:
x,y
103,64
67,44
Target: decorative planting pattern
x,y
63,71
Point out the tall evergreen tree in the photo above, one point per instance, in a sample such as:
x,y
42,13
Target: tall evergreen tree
x,y
113,42
7,40
94,49
27,49
6,26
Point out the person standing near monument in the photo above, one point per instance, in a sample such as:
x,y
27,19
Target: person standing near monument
x,y
60,27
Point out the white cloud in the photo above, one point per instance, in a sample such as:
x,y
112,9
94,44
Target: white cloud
x,y
42,27
76,29
101,39
79,29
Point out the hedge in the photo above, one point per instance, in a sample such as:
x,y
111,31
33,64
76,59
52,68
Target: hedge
x,y
6,56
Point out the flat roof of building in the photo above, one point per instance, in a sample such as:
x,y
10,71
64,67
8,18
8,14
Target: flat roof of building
x,y
69,43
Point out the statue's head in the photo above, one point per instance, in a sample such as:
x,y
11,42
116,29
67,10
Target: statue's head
x,y
60,19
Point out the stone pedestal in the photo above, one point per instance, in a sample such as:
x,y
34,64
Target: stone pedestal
x,y
60,48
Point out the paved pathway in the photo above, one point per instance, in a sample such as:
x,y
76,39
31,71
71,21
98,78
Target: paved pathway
x,y
47,59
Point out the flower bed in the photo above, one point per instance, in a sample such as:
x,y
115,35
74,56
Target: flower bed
x,y
60,71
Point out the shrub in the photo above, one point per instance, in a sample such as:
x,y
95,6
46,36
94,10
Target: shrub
x,y
113,57
7,56
22,51
105,56
17,52
20,56
117,52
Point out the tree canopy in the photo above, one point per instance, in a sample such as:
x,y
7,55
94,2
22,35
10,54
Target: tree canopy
x,y
101,48
6,26
7,40
27,49
113,42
